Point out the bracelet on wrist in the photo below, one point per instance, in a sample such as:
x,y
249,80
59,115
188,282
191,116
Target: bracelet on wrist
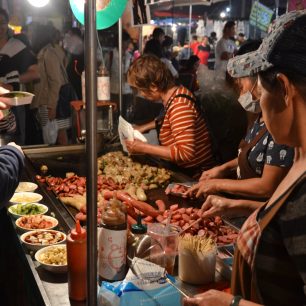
x,y
236,300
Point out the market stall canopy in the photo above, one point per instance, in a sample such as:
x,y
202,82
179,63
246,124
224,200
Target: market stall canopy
x,y
184,2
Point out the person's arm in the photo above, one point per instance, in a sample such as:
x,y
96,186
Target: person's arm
x,y
262,187
138,146
11,165
220,206
32,74
215,298
221,171
54,76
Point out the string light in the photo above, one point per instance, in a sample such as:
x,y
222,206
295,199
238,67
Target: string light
x,y
38,3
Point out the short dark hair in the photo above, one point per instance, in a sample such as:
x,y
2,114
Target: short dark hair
x,y
157,32
4,13
241,34
249,46
228,25
270,82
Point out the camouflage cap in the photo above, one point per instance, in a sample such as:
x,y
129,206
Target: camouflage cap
x,y
283,46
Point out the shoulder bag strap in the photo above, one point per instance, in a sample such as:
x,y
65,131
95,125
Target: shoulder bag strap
x,y
279,202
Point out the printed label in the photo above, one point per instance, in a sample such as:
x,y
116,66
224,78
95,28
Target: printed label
x,y
112,254
103,87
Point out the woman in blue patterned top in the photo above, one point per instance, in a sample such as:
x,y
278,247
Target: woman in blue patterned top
x,y
261,163
270,255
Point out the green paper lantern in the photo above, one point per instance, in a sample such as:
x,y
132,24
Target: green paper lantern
x,y
105,17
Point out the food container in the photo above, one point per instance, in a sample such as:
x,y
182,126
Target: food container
x,y
16,98
26,197
30,223
197,260
53,258
26,187
35,240
19,210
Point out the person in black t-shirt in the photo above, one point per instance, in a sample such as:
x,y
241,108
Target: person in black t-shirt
x,y
17,66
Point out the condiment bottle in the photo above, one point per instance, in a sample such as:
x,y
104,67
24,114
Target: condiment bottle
x,y
136,242
112,242
76,260
103,84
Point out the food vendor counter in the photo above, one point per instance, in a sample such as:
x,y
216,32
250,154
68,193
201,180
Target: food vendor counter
x,y
52,289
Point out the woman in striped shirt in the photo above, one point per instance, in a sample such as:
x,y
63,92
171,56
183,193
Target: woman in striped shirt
x,y
183,134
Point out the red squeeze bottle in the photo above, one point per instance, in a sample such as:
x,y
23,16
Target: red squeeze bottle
x,y
77,263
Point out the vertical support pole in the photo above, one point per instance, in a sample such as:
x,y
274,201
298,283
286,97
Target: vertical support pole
x,y
190,21
91,148
120,63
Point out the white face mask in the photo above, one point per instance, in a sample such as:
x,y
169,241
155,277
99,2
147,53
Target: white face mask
x,y
250,105
247,102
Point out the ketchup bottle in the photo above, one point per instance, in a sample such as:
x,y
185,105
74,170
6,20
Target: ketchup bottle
x,y
76,259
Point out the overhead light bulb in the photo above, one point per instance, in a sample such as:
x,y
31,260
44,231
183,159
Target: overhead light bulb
x,y
38,3
228,9
222,15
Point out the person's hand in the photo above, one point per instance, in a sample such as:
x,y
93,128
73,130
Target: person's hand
x,y
3,104
13,144
51,113
216,206
216,172
203,188
209,298
135,146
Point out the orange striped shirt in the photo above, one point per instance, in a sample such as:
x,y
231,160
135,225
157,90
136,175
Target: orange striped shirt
x,y
185,132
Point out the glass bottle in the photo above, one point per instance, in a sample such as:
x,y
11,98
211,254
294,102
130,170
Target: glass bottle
x,y
112,242
103,84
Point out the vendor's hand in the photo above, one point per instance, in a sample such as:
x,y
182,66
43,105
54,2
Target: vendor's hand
x,y
13,144
51,113
213,173
203,188
135,146
3,104
209,298
216,206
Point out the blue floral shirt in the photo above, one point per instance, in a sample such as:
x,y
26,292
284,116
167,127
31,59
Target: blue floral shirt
x,y
266,151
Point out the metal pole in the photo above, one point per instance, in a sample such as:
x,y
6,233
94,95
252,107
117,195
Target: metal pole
x,y
91,148
120,63
276,8
190,20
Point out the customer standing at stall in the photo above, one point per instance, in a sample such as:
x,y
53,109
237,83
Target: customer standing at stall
x,y
52,62
270,255
17,66
184,137
225,49
261,163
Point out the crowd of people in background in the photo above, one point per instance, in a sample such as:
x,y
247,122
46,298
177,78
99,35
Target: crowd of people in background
x,y
41,60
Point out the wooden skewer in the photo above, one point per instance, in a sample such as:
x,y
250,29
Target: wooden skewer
x,y
191,225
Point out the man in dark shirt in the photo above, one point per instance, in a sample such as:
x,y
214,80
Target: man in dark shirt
x,y
17,66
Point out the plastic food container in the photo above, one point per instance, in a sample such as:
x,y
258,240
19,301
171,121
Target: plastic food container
x,y
16,98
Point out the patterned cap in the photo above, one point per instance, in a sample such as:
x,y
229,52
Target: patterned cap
x,y
284,46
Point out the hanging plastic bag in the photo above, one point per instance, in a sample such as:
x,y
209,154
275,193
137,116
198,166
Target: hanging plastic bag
x,y
50,131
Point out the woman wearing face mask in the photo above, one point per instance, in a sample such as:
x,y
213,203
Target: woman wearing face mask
x,y
261,163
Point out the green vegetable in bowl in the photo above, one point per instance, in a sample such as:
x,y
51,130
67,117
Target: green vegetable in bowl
x,y
14,95
27,209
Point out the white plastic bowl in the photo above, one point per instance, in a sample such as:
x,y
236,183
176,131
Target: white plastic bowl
x,y
26,187
51,267
16,216
40,217
35,246
26,197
